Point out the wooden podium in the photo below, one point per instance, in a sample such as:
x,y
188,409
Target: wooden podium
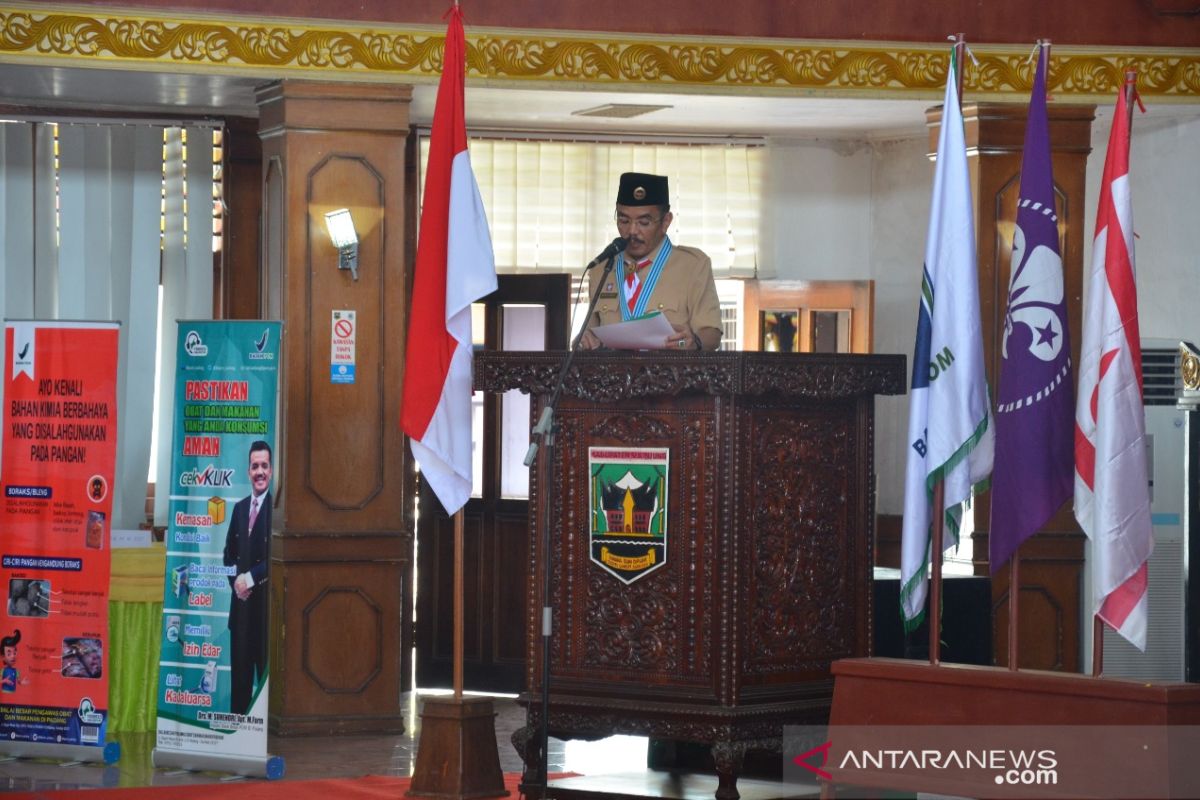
x,y
766,578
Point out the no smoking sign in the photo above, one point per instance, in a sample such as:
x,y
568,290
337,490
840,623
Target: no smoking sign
x,y
342,336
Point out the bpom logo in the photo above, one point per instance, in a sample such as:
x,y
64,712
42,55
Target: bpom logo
x,y
23,360
260,345
209,476
87,712
193,345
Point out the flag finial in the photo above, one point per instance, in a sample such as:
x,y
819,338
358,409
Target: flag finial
x,y
1131,93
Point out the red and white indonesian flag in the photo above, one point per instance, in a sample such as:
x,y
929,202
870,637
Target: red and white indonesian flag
x,y
1112,496
454,268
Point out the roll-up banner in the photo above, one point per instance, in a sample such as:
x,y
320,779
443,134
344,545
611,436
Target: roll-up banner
x,y
214,663
59,455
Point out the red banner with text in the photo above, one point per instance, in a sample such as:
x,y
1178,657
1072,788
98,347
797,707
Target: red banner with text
x,y
56,469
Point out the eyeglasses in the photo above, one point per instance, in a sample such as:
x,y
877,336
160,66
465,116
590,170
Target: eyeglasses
x,y
641,223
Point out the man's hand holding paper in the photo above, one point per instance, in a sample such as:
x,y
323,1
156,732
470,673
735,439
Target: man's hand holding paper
x,y
651,332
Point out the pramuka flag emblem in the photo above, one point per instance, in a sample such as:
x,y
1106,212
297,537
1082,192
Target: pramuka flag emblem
x,y
628,502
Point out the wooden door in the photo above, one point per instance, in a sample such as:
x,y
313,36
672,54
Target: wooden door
x,y
527,312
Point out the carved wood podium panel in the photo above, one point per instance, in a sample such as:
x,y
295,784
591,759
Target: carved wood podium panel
x,y
766,578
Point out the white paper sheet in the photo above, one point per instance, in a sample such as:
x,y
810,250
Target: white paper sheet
x,y
645,333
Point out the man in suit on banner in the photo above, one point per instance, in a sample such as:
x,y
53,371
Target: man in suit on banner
x,y
655,275
248,550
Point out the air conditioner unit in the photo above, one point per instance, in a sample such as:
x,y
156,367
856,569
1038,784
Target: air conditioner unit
x,y
1165,458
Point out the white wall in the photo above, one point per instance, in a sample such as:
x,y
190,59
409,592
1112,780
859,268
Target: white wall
x,y
856,210
902,179
816,211
1164,168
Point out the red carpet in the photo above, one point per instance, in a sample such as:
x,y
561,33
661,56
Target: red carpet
x,y
372,787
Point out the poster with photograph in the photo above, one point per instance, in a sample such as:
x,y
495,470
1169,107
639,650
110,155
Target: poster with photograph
x,y
214,664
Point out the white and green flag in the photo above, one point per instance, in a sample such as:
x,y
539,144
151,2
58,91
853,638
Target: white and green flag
x,y
949,424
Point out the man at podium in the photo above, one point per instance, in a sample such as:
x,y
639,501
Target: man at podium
x,y
654,275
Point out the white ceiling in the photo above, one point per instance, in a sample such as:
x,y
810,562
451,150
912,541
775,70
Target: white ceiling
x,y
118,92
706,114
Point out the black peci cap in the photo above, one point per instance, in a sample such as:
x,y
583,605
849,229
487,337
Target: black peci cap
x,y
641,189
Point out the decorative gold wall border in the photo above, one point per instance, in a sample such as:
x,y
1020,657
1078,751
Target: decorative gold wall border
x,y
276,47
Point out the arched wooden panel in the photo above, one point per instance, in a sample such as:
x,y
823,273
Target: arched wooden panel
x,y
346,455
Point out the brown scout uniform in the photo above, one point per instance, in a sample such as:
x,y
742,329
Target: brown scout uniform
x,y
685,292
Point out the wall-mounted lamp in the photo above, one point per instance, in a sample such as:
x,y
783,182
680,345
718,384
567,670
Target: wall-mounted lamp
x,y
344,238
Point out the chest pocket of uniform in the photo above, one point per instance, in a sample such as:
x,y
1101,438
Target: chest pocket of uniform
x,y
675,313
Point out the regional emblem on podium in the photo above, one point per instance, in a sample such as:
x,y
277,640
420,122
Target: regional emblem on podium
x,y
628,503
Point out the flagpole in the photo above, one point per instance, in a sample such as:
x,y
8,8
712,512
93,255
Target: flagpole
x,y
458,603
938,533
960,52
935,580
1014,602
1130,90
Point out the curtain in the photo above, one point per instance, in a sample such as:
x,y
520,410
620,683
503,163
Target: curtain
x,y
16,221
550,203
138,165
135,638
80,238
187,275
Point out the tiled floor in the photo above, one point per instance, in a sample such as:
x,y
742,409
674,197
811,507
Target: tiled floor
x,y
616,764
320,757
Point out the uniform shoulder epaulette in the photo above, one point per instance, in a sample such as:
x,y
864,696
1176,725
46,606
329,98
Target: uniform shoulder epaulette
x,y
694,253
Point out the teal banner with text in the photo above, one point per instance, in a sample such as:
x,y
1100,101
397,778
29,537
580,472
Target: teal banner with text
x,y
214,663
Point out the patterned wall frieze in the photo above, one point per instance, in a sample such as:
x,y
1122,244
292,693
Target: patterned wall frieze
x,y
322,50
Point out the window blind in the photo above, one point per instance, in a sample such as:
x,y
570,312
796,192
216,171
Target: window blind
x,y
90,214
550,203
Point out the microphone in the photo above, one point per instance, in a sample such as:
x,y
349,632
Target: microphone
x,y
618,245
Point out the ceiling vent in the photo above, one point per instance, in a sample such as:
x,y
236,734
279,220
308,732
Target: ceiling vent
x,y
618,110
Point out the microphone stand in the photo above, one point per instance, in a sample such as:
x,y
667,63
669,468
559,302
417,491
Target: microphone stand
x,y
544,431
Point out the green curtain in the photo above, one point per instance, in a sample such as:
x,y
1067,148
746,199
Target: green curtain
x,y
133,630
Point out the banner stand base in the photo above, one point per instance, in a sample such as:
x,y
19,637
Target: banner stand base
x,y
269,767
110,753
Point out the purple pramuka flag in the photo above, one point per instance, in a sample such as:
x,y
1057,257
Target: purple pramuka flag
x,y
1034,465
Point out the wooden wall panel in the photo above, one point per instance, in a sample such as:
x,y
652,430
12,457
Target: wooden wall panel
x,y
808,296
241,280
338,672
273,273
331,138
888,535
494,592
342,540
441,628
1162,22
508,606
346,456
